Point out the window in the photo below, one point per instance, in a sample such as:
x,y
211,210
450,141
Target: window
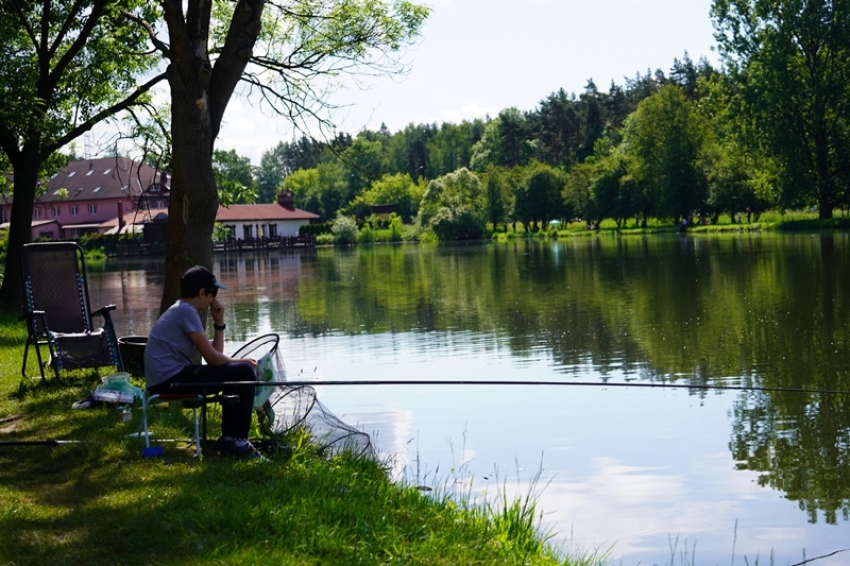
x,y
56,211
72,173
36,213
75,210
90,171
92,209
107,171
247,232
96,189
272,230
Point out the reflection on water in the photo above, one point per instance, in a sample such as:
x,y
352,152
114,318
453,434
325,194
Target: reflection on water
x,y
622,466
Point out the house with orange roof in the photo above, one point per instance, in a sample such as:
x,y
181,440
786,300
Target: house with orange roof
x,y
264,221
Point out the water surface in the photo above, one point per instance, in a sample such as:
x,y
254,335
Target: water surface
x,y
710,472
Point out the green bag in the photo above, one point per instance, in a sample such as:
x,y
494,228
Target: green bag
x,y
265,372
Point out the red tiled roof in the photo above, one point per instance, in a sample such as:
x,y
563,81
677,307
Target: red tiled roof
x,y
251,212
103,178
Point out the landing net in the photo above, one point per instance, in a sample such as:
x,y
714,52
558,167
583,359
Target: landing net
x,y
283,408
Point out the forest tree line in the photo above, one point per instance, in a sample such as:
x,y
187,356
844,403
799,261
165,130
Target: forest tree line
x,y
519,166
770,129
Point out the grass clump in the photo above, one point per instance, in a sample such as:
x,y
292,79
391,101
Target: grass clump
x,y
98,501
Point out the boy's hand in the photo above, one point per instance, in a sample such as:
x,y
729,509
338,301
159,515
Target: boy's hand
x,y
217,312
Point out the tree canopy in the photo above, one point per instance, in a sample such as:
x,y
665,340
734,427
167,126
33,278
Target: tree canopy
x,y
289,55
791,61
64,67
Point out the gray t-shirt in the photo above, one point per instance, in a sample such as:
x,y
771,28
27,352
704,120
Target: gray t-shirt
x,y
169,349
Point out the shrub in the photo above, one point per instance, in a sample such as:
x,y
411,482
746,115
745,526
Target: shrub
x,y
344,229
366,235
4,242
107,243
325,240
315,229
396,228
458,223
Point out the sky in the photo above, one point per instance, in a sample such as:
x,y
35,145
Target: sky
x,y
478,57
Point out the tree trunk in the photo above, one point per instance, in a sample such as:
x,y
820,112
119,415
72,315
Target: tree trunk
x,y
26,166
194,198
825,207
199,96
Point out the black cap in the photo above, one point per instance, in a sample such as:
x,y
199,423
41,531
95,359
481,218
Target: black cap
x,y
197,278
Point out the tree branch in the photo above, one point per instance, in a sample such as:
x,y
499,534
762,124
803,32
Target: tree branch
x,y
25,24
237,52
180,52
79,43
49,148
66,26
158,44
8,142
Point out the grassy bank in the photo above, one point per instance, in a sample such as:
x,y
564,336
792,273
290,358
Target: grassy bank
x,y
787,221
97,501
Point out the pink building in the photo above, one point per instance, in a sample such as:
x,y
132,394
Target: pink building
x,y
90,195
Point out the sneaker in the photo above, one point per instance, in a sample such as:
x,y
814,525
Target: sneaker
x,y
228,447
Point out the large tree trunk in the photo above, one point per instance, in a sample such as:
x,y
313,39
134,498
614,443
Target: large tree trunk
x,y
825,207
199,96
26,166
194,197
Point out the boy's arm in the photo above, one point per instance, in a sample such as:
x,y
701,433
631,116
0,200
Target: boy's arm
x,y
211,354
217,313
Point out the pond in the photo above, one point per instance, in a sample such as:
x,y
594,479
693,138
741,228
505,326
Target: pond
x,y
719,475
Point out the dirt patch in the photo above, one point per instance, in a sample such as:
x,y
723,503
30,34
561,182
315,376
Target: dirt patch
x,y
10,424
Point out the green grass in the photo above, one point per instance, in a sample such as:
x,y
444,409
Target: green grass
x,y
771,220
98,501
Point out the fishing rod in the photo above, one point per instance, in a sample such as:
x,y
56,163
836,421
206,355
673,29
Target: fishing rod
x,y
39,442
57,442
212,384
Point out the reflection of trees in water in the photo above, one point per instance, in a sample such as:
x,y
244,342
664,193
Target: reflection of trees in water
x,y
691,309
765,311
800,444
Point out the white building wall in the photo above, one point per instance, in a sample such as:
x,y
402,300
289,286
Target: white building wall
x,y
259,229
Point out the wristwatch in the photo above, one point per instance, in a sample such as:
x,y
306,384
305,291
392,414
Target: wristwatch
x,y
217,327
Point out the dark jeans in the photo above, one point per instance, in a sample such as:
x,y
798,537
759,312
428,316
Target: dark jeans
x,y
235,418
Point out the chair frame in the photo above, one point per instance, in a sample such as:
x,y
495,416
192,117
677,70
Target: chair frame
x,y
192,401
38,331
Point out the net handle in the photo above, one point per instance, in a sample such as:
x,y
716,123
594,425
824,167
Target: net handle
x,y
250,347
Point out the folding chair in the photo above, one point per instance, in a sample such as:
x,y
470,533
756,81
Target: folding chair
x,y
189,401
192,401
56,299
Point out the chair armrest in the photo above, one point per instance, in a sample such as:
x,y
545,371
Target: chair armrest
x,y
103,310
30,315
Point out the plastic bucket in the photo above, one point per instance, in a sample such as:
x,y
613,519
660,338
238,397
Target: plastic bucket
x,y
133,353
